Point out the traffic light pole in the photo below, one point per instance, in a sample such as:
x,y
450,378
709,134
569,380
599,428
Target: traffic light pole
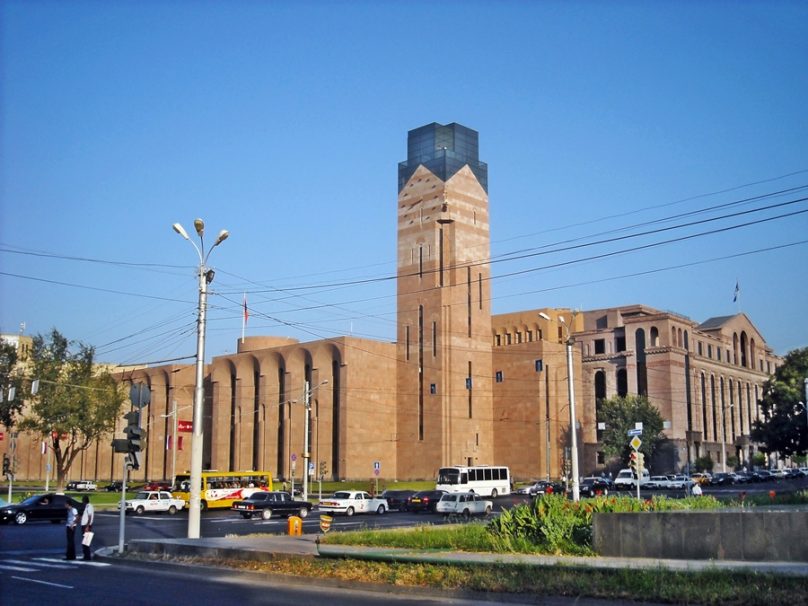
x,y
122,515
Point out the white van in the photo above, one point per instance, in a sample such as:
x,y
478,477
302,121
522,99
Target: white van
x,y
626,480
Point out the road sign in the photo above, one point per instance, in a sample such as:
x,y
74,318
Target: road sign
x,y
140,394
325,523
635,432
377,466
635,443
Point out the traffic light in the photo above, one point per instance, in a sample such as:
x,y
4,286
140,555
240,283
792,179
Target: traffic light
x,y
133,443
6,465
640,462
633,461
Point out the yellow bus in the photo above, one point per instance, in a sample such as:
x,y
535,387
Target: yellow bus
x,y
221,488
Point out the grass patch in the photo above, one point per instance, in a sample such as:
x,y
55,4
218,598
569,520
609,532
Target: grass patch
x,y
710,587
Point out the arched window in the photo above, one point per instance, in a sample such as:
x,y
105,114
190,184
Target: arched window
x,y
704,407
714,407
642,372
744,359
679,337
600,395
622,382
654,337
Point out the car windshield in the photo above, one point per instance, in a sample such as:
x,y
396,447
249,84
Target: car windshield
x,y
142,495
449,476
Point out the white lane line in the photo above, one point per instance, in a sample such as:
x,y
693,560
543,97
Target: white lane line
x,y
34,562
17,568
44,583
76,562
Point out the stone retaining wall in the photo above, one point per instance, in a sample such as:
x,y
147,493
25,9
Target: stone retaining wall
x,y
748,535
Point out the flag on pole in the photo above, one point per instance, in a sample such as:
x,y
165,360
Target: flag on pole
x,y
737,292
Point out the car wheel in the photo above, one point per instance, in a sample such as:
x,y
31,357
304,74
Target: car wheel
x,y
349,512
266,514
21,517
380,510
246,515
203,505
139,511
304,512
172,510
494,493
488,511
466,515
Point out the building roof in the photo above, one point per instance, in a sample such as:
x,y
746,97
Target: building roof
x,y
715,323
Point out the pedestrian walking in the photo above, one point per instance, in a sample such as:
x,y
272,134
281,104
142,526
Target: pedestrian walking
x,y
696,490
87,518
70,527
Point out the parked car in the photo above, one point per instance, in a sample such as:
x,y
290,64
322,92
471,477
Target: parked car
x,y
542,487
702,478
679,482
266,504
657,483
465,504
49,507
722,479
350,502
424,500
594,486
86,485
153,501
114,487
397,499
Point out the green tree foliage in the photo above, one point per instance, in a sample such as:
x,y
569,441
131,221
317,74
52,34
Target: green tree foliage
x,y
10,381
620,414
77,403
782,427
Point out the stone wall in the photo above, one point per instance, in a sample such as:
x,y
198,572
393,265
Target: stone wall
x,y
751,535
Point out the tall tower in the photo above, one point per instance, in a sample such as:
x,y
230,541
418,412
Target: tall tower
x,y
444,316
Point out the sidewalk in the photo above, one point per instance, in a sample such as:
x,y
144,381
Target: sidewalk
x,y
280,546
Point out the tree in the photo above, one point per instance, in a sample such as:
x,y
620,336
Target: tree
x,y
77,402
783,427
620,414
10,382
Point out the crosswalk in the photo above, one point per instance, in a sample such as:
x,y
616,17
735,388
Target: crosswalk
x,y
40,564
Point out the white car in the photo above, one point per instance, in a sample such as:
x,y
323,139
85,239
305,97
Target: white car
x,y
465,504
153,501
350,502
87,485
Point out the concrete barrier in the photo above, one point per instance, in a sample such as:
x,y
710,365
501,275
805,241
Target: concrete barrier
x,y
744,535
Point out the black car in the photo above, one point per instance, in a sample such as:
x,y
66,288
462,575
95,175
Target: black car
x,y
114,487
424,500
593,486
397,499
267,504
49,507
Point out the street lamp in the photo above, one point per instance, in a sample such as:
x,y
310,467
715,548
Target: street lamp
x,y
306,453
576,496
205,276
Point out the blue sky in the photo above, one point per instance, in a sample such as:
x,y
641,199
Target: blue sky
x,y
283,122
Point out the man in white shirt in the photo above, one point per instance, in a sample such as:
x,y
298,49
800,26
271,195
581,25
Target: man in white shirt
x,y
87,517
70,527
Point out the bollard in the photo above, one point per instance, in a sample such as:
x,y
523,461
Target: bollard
x,y
295,526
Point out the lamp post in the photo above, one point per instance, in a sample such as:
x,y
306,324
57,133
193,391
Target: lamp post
x,y
576,495
205,276
306,453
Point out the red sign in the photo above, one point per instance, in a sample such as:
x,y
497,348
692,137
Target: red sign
x,y
186,426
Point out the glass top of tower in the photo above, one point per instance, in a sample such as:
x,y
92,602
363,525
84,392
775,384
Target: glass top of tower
x,y
444,150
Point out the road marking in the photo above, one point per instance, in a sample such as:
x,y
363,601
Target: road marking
x,y
61,564
44,583
16,568
76,562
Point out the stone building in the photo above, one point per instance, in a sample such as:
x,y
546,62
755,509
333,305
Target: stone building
x,y
705,378
459,386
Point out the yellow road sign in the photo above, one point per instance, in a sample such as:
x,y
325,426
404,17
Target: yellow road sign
x,y
635,443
